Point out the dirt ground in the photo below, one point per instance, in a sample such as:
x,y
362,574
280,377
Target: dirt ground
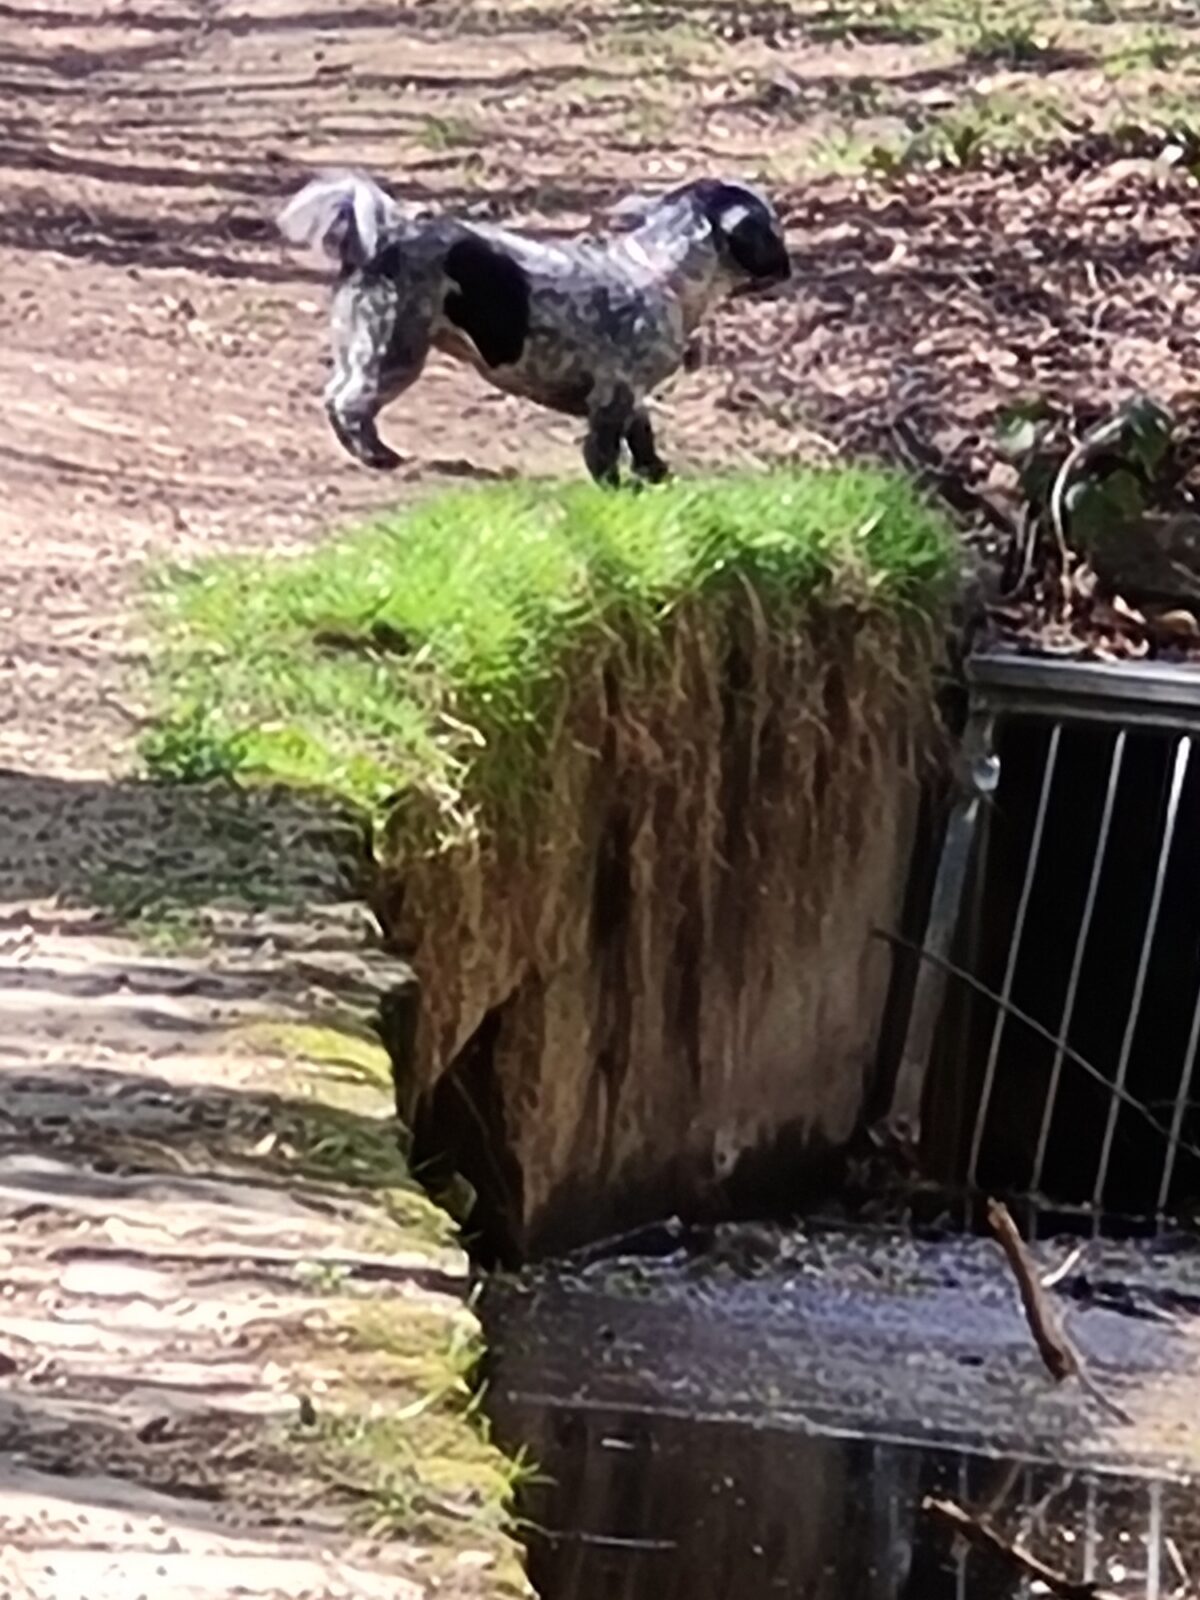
x,y
162,355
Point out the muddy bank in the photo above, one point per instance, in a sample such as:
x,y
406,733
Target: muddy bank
x,y
874,1332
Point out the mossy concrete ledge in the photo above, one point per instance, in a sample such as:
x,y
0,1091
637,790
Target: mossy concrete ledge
x,y
236,1339
646,770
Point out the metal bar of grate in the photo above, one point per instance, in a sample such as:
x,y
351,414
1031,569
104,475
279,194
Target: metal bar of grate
x,y
1161,704
1035,846
1068,1011
960,1551
1090,1540
1154,1542
1026,1525
1182,1099
1127,693
1183,750
905,1113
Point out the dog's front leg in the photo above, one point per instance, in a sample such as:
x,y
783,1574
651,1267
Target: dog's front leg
x,y
608,422
377,354
639,436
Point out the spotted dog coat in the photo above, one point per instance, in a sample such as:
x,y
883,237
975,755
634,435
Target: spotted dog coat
x,y
589,328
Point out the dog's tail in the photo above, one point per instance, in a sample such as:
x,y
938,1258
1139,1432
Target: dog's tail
x,y
342,213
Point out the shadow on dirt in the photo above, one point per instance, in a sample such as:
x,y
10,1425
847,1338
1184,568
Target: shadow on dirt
x,y
797,96
195,1232
117,240
84,1135
234,865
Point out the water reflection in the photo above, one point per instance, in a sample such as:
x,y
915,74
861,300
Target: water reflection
x,y
744,1424
643,1506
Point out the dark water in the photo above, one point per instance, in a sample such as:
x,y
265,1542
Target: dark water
x,y
714,1432
651,1507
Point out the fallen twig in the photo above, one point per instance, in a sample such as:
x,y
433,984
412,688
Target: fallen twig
x,y
1059,1358
1177,1561
1059,1355
984,1537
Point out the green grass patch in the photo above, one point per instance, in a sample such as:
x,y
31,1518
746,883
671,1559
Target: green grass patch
x,y
1152,49
980,126
450,133
429,658
358,1056
412,1448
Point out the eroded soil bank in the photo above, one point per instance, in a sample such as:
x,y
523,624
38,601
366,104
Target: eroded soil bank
x,y
672,1001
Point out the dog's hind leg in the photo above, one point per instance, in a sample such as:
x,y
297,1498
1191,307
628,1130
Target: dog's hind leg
x,y
377,355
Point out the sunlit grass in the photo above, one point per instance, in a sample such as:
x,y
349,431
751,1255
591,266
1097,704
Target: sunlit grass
x,y
436,648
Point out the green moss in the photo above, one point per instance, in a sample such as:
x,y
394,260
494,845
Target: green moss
x,y
407,1444
335,1128
360,1057
433,653
397,1439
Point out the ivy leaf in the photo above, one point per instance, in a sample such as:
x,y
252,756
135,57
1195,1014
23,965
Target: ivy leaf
x,y
1100,509
1024,428
1149,428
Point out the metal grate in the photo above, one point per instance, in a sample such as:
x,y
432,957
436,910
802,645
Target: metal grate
x,y
1069,889
1116,1533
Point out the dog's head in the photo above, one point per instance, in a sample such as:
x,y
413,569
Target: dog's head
x,y
737,220
746,230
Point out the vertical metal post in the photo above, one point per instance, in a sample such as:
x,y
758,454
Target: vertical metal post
x,y
1026,1522
1182,1097
961,1547
1068,1011
1183,750
981,778
1035,846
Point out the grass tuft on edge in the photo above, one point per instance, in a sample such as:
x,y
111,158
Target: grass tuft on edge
x,y
432,653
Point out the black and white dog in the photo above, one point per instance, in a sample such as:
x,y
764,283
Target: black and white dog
x,y
589,328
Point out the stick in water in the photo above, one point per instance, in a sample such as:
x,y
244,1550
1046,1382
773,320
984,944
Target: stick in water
x,y
1059,1355
984,1537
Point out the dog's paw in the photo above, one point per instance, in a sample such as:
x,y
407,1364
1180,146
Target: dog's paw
x,y
381,458
359,438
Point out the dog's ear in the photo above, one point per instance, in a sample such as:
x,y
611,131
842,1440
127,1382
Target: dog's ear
x,y
489,300
749,232
754,244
